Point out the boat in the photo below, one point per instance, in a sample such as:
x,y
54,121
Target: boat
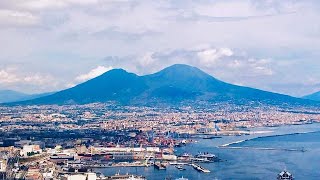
x,y
201,160
207,157
181,168
211,137
182,178
180,144
160,166
132,177
118,176
185,157
285,175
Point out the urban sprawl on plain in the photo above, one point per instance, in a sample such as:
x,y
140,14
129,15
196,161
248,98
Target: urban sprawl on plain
x,y
67,142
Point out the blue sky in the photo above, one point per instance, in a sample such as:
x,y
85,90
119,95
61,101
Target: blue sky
x,y
50,45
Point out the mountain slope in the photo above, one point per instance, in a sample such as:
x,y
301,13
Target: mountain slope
x,y
174,84
198,85
315,96
115,85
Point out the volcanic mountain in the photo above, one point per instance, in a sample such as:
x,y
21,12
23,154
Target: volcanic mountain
x,y
175,84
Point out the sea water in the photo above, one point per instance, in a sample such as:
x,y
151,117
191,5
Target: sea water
x,y
250,162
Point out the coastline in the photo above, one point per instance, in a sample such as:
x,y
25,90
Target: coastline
x,y
253,159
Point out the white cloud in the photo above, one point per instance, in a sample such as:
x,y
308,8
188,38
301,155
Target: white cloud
x,y
36,5
147,59
209,57
234,64
93,73
70,85
263,70
16,79
213,60
53,36
13,76
7,77
42,4
226,9
20,18
247,8
38,79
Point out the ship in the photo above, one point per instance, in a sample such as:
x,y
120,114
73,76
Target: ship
x,y
132,177
181,168
200,160
285,175
160,166
185,157
207,157
211,137
182,178
126,177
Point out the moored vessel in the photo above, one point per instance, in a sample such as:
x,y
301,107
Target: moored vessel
x,y
182,178
207,157
160,166
125,177
285,175
180,167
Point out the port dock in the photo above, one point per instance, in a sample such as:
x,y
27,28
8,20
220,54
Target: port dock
x,y
200,168
261,148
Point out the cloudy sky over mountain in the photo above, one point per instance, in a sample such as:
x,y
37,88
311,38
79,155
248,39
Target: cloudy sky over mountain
x,y
50,45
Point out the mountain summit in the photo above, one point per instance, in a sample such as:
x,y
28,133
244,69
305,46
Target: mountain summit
x,y
175,84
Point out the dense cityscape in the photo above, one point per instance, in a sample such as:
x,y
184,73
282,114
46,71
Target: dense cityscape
x,y
70,141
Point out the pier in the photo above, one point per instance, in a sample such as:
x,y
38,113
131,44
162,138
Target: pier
x,y
200,168
261,148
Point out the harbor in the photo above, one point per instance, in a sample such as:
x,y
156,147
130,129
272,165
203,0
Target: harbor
x,y
201,158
